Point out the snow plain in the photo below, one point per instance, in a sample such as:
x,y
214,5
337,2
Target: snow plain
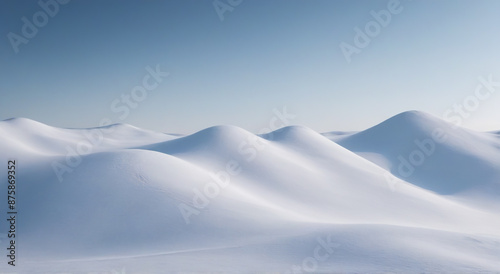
x,y
413,194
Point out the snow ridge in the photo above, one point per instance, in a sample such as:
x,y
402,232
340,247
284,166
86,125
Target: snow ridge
x,y
225,199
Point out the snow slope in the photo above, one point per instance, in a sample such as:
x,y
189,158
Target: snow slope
x,y
224,199
21,135
460,163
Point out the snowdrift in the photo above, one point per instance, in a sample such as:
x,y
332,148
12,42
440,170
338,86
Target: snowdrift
x,y
433,154
223,199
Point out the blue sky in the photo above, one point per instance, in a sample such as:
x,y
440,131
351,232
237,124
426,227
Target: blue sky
x,y
263,55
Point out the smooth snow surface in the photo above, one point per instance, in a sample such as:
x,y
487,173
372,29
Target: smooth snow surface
x,y
120,199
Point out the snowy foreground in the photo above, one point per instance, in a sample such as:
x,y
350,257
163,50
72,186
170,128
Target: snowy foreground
x,y
413,194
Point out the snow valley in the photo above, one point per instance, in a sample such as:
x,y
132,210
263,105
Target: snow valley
x,y
411,194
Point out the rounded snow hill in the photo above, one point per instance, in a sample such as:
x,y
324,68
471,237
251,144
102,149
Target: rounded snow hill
x,y
216,137
431,153
298,169
121,206
21,135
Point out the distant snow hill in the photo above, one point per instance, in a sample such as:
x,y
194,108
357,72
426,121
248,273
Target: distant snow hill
x,y
413,194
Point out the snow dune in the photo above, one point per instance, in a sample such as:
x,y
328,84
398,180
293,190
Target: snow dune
x,y
225,199
21,135
460,163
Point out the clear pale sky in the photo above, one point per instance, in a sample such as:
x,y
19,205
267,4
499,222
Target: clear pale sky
x,y
263,55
